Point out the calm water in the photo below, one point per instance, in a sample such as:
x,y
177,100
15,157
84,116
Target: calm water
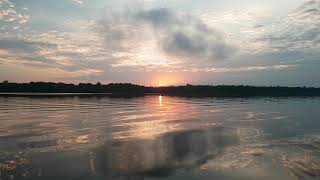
x,y
159,137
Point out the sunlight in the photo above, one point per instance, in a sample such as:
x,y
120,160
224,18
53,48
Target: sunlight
x,y
160,101
162,117
165,81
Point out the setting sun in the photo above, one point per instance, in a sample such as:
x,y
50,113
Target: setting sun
x,y
167,79
159,89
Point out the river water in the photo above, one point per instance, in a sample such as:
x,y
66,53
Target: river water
x,y
159,137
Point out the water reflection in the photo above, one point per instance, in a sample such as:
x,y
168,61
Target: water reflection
x,y
154,119
160,100
164,155
159,137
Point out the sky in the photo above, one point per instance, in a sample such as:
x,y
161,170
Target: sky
x,y
161,42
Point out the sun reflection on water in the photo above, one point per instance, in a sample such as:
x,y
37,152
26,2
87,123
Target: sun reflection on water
x,y
160,100
164,114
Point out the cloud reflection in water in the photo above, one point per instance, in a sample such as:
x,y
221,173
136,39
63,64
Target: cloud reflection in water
x,y
164,155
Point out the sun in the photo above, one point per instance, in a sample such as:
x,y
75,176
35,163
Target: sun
x,y
166,80
161,85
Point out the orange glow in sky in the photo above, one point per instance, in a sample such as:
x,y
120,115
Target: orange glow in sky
x,y
167,80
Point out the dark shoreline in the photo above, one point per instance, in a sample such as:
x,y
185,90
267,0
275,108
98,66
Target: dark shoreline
x,y
131,90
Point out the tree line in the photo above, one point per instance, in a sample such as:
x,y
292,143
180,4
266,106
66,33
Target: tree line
x,y
132,89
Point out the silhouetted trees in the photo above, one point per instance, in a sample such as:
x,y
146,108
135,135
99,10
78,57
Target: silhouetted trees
x,y
132,89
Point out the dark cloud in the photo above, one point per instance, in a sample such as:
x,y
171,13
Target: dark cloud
x,y
180,35
186,36
182,43
159,17
196,46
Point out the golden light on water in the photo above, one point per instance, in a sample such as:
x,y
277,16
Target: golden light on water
x,y
155,121
160,101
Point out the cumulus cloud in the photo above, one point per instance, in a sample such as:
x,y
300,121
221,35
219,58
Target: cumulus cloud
x,y
179,35
187,36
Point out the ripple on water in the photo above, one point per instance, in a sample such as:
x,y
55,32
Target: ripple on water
x,y
200,138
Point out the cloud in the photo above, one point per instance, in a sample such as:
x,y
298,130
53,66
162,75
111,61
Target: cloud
x,y
22,45
298,31
186,36
158,17
69,52
25,52
9,13
78,1
180,36
243,69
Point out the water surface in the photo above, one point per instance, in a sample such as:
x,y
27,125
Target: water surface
x,y
159,137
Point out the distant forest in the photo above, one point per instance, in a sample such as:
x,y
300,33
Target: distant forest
x,y
132,89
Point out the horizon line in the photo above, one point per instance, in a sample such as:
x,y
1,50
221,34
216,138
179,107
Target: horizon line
x,y
152,86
